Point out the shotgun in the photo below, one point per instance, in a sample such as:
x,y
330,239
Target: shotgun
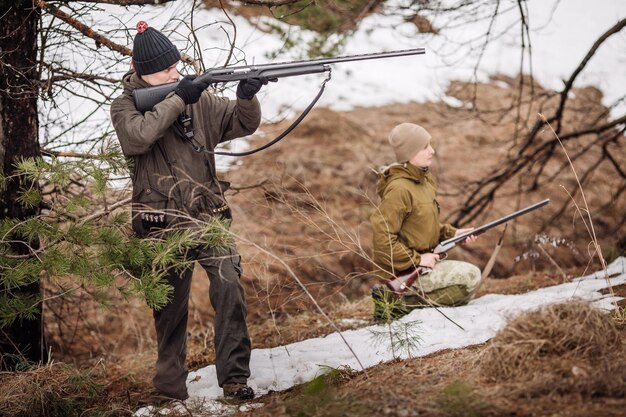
x,y
147,98
403,282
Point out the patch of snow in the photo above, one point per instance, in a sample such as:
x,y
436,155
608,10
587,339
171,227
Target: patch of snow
x,y
351,322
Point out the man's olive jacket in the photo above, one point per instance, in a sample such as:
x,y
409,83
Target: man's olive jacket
x,y
406,223
168,175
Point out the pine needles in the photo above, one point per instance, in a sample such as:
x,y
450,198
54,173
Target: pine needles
x,y
53,390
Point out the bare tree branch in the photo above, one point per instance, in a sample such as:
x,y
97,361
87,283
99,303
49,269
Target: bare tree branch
x,y
270,3
486,188
70,154
529,153
90,33
108,210
82,28
570,82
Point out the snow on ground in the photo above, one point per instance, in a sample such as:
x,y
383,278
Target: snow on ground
x,y
282,367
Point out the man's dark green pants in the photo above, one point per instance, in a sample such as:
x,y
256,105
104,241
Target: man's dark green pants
x,y
232,343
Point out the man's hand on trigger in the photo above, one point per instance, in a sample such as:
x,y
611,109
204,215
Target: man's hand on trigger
x,y
429,259
189,90
470,238
248,88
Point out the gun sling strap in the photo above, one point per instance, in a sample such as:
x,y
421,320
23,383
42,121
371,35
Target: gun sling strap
x,y
183,127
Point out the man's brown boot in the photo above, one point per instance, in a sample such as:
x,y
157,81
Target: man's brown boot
x,y
159,399
238,391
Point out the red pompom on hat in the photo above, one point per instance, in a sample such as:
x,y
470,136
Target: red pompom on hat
x,y
142,26
152,51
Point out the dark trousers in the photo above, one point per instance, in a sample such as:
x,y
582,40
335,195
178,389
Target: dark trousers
x,y
232,343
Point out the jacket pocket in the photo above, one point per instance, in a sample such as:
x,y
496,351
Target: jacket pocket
x,y
209,204
152,211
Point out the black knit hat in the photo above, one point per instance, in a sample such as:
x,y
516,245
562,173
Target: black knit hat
x,y
152,51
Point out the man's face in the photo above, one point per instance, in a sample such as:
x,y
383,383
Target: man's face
x,y
168,75
423,158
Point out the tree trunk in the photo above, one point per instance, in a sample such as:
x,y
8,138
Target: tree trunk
x,y
18,139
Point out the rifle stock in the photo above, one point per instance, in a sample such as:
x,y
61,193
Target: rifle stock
x,y
147,98
401,283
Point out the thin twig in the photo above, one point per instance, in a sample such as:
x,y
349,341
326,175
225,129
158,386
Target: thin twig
x,y
105,212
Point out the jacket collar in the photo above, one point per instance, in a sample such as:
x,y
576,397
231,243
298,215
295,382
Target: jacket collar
x,y
131,81
401,170
419,174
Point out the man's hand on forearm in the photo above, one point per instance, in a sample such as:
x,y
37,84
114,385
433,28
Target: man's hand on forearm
x,y
247,89
470,238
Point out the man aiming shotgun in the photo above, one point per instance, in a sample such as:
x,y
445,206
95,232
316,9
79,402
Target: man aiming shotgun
x,y
163,122
147,98
174,188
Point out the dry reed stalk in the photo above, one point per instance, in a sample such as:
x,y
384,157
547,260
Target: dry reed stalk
x,y
621,313
295,277
590,227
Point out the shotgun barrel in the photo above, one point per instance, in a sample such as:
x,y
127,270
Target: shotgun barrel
x,y
147,98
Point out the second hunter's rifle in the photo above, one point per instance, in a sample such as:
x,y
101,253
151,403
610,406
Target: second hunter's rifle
x,y
403,282
147,98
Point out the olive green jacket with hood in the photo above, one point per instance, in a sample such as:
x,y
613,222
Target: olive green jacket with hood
x,y
168,175
406,222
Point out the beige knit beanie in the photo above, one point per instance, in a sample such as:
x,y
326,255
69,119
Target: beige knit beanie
x,y
407,139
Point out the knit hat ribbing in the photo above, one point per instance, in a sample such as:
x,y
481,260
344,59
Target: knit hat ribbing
x,y
407,139
152,51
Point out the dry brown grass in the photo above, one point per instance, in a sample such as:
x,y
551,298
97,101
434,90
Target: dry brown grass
x,y
566,349
522,283
85,324
57,390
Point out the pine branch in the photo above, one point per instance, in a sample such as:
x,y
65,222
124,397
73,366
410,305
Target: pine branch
x,y
47,152
107,211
